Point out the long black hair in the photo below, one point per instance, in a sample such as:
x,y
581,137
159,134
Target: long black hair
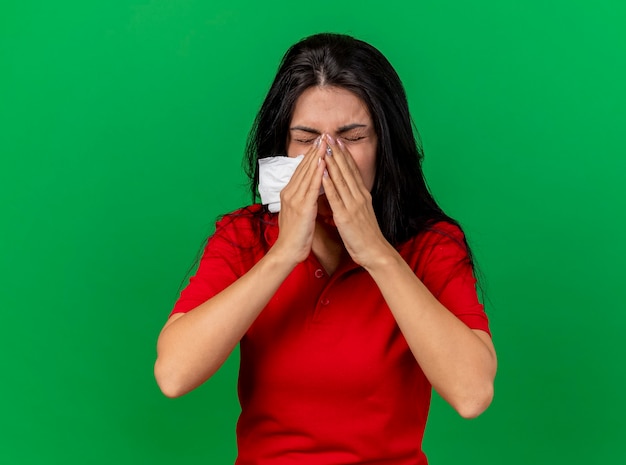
x,y
402,201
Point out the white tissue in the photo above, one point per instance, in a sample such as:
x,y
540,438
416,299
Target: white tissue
x,y
274,174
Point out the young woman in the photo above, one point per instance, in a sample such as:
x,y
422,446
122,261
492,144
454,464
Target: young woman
x,y
348,305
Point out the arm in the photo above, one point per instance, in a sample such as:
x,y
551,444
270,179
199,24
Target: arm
x,y
459,362
192,346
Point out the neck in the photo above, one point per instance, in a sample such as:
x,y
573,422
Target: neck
x,y
328,246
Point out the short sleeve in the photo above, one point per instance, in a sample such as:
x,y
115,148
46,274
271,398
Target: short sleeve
x,y
446,270
228,255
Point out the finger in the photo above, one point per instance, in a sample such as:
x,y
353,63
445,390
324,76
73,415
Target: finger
x,y
346,156
335,200
342,175
305,165
312,174
305,184
310,153
334,175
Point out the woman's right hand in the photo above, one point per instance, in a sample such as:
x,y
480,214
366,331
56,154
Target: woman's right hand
x,y
298,205
192,346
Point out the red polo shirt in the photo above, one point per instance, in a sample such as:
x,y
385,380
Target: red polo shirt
x,y
326,376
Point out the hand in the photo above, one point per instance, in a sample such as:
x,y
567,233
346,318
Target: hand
x,y
351,203
298,206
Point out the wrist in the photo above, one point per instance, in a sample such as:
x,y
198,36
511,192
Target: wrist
x,y
381,262
280,258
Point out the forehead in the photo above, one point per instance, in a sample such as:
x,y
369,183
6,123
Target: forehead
x,y
327,107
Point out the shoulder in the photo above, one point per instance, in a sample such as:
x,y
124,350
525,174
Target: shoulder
x,y
245,226
439,246
437,234
243,216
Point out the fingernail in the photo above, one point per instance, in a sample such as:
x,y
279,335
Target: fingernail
x,y
319,160
330,139
325,173
340,144
318,141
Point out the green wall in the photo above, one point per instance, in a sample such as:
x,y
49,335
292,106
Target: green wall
x,y
122,126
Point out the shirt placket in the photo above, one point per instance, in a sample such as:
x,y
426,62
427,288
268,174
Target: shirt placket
x,y
325,299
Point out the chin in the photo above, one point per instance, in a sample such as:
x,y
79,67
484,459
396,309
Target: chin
x,y
327,220
324,212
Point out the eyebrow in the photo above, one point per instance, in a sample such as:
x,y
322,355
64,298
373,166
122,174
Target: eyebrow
x,y
341,130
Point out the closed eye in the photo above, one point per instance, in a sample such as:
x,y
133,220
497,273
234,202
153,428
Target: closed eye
x,y
353,139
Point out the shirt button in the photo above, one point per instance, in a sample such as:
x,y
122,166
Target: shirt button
x,y
325,301
319,273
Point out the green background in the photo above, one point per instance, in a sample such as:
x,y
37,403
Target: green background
x,y
122,126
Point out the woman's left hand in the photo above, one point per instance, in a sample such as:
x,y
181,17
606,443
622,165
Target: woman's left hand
x,y
351,203
460,363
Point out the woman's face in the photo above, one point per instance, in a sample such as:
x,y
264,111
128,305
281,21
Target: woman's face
x,y
343,115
